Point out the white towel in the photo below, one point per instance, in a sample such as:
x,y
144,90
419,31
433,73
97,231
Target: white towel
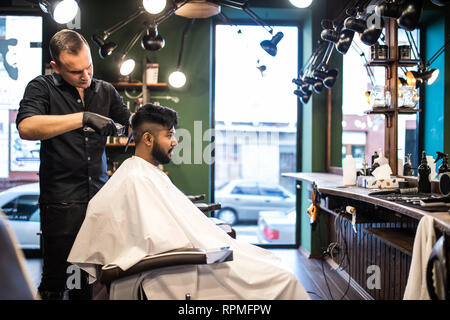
x,y
416,287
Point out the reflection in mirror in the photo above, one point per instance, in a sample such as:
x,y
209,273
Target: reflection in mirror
x,y
408,99
407,141
362,133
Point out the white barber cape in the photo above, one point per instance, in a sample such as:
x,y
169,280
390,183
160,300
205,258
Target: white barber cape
x,y
139,212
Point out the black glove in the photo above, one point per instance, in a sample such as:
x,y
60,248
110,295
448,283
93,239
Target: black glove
x,y
101,124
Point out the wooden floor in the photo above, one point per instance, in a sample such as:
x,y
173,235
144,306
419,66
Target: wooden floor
x,y
308,271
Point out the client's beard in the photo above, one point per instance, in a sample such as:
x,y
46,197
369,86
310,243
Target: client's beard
x,y
159,154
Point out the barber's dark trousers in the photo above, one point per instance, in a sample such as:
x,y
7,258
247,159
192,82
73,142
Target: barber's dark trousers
x,y
60,224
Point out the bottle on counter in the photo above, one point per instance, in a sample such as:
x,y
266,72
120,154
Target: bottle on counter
x,y
407,168
349,170
443,168
424,170
374,156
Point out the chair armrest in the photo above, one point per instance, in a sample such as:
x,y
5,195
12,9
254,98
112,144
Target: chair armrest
x,y
189,256
197,197
204,207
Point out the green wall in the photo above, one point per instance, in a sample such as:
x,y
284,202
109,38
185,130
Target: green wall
x,y
194,103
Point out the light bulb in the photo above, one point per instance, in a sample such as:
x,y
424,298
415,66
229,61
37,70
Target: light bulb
x,y
301,3
177,79
433,77
65,11
127,67
154,6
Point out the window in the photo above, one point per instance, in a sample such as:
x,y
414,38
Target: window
x,y
20,62
272,192
250,189
255,125
21,208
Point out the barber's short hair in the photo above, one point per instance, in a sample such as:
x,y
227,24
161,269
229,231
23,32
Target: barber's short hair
x,y
66,40
151,113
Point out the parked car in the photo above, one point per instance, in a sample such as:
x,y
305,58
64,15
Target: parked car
x,y
20,205
276,227
242,200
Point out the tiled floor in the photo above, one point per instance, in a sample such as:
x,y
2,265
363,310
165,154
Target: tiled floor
x,y
308,271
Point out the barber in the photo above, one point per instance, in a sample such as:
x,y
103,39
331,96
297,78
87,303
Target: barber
x,y
72,114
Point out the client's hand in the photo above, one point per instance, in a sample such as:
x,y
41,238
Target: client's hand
x,y
101,124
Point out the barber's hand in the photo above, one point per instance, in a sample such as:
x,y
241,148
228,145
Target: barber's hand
x,y
101,124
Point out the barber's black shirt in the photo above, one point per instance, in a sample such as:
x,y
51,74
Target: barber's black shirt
x,y
73,164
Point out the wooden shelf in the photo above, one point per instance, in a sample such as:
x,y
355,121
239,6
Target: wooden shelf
x,y
388,62
391,110
401,239
138,85
119,144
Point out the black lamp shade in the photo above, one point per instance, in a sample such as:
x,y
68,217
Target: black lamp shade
x,y
320,74
305,98
331,77
409,19
298,82
345,41
388,10
309,80
304,88
354,24
318,86
270,46
105,49
329,35
369,34
152,43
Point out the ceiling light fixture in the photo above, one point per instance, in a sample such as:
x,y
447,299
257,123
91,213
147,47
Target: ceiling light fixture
x,y
301,3
61,11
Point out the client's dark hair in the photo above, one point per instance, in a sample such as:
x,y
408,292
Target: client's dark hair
x,y
151,113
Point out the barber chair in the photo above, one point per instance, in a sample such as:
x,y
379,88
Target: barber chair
x,y
128,285
15,284
204,207
439,262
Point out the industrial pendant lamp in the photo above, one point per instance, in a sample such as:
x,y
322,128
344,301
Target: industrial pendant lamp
x,y
270,46
368,34
424,74
105,49
152,41
416,78
126,66
177,79
389,9
410,16
61,11
342,40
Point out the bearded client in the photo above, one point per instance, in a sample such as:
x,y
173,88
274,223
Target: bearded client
x,y
140,212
